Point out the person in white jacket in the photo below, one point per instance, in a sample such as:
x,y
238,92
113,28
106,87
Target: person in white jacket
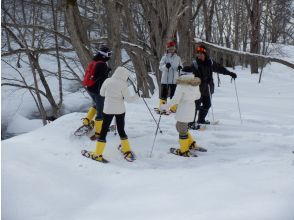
x,y
186,93
170,65
115,90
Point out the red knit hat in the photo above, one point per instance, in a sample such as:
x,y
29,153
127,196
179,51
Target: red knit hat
x,y
171,44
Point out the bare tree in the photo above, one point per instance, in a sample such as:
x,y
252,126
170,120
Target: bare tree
x,y
254,10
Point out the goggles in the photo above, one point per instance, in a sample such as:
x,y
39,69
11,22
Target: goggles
x,y
200,50
106,54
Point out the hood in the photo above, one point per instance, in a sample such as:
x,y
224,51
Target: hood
x,y
121,73
188,80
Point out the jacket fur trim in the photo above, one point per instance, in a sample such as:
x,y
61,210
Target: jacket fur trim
x,y
189,81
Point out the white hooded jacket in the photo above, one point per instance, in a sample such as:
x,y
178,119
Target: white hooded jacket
x,y
115,89
186,93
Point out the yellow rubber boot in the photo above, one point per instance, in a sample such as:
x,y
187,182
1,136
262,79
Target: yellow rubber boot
x,y
161,102
126,150
98,126
173,108
90,115
184,147
191,143
100,146
125,146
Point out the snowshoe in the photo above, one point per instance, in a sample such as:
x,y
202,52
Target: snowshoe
x,y
128,156
91,155
215,122
208,122
162,112
194,147
84,129
205,122
177,152
195,126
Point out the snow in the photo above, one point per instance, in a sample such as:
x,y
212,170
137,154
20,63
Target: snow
x,y
247,172
20,124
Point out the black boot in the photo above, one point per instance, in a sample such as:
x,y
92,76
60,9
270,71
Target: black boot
x,y
201,116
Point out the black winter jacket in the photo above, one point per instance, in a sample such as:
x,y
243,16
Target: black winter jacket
x,y
204,72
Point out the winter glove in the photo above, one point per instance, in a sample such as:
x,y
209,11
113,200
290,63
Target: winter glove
x,y
168,65
233,75
179,68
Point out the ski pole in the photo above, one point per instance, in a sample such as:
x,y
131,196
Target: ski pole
x,y
238,100
151,114
134,87
155,135
211,103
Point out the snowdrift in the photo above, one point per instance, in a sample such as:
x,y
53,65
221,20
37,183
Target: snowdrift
x,y
247,172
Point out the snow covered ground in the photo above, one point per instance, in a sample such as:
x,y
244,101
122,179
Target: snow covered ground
x,y
247,173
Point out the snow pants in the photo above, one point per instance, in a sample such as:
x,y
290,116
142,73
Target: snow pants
x,y
99,104
202,106
167,89
120,124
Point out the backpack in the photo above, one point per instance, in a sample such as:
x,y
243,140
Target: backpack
x,y
89,74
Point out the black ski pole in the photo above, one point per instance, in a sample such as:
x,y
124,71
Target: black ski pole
x,y
155,135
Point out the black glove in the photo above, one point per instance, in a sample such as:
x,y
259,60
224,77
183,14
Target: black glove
x,y
168,65
233,75
179,68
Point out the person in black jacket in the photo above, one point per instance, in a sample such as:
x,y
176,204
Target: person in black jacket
x,y
101,73
203,67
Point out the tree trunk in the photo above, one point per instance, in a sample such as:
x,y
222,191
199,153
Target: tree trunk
x,y
77,32
137,55
185,48
54,16
113,17
254,11
208,16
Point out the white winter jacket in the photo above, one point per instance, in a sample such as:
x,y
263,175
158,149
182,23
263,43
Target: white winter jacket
x,y
186,93
169,76
115,89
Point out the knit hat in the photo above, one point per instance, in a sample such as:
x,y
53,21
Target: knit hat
x,y
171,45
201,49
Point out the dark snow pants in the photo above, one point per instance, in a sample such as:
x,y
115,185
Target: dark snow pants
x,y
202,105
99,104
167,88
120,124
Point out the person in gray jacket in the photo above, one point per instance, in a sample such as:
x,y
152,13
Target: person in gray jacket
x,y
170,65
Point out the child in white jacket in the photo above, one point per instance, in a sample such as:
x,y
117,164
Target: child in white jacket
x,y
186,93
115,90
170,65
